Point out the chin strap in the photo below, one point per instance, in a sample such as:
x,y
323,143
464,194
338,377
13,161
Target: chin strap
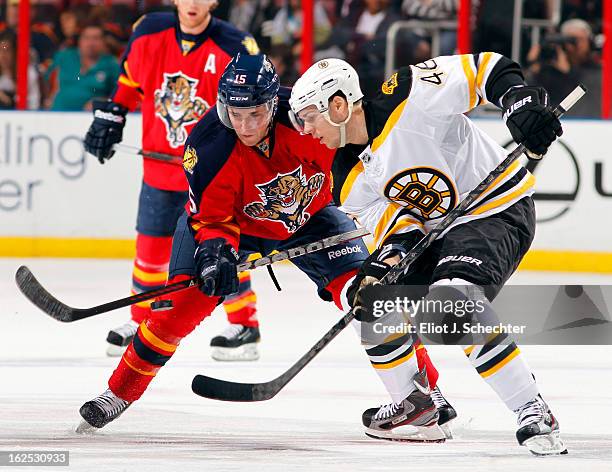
x,y
341,125
343,135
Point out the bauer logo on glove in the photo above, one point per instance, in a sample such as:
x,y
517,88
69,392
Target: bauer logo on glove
x,y
531,119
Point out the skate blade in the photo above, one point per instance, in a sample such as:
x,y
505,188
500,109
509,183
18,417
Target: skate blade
x,y
85,428
422,434
546,445
244,353
448,433
113,350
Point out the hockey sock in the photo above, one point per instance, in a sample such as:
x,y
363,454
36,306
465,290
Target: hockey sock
x,y
157,339
503,367
241,307
496,358
395,364
150,270
394,359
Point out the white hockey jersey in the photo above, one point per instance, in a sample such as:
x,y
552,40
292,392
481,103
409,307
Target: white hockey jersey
x,y
424,155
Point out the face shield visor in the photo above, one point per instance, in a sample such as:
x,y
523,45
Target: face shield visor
x,y
306,118
253,117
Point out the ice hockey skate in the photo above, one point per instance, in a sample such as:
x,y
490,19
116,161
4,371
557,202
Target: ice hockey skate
x,y
446,412
100,411
539,429
119,338
414,419
236,343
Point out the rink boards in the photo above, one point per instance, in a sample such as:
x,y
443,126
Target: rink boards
x,y
57,201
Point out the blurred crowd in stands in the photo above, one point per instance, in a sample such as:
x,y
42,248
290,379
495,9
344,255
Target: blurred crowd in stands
x,y
76,44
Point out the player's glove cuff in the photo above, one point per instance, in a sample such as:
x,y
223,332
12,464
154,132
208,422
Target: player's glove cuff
x,y
530,119
216,264
106,129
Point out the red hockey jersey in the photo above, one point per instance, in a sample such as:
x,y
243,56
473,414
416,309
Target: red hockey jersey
x,y
176,77
269,190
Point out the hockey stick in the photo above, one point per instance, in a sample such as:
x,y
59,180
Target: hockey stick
x,y
217,389
40,297
160,156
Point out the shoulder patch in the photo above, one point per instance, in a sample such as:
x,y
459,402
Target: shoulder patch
x,y
208,148
250,45
190,159
389,86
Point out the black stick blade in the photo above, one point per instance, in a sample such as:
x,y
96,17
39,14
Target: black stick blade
x,y
36,293
216,389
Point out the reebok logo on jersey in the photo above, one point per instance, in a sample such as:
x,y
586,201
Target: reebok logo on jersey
x,y
104,115
468,259
516,106
344,252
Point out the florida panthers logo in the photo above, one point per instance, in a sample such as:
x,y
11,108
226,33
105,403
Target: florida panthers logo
x,y
286,198
177,105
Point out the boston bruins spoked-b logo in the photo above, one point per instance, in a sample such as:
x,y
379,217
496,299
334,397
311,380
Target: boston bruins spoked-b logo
x,y
424,190
285,198
177,105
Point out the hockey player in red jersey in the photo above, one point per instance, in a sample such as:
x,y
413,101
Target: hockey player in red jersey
x,y
256,185
172,67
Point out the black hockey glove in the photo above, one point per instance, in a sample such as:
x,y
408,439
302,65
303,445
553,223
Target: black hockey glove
x,y
216,264
371,272
530,119
106,129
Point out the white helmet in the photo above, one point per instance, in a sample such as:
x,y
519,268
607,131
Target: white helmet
x,y
319,84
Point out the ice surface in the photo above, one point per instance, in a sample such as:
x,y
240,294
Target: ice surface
x,y
48,369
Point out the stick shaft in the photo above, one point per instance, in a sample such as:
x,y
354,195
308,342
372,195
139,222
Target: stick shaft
x,y
159,156
233,391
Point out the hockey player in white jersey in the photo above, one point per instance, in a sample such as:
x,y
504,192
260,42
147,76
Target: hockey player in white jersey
x,y
405,159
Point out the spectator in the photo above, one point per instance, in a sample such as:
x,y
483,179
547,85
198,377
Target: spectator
x,y
251,15
8,68
286,26
242,12
587,10
70,25
432,10
41,37
563,62
83,73
284,63
363,36
116,21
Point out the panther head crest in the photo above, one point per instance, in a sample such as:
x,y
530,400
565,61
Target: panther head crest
x,y
286,198
177,105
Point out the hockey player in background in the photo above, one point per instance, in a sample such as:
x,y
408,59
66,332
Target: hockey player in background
x,y
255,185
406,159
172,66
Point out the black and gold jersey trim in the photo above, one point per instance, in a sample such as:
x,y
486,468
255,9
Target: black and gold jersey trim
x,y
381,109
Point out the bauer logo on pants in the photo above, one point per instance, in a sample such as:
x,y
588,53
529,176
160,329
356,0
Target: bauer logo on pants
x,y
466,259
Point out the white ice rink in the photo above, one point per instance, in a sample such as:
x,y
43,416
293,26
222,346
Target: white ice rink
x,y
48,369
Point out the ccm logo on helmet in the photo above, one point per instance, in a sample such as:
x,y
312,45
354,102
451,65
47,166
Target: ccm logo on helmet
x,y
343,252
516,106
238,99
469,260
